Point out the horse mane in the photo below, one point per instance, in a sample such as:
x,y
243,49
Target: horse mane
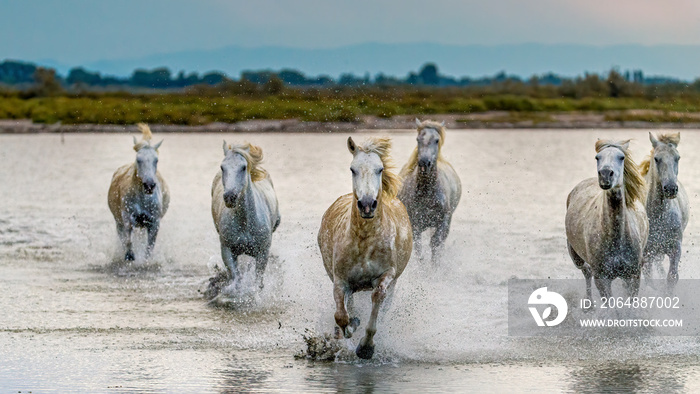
x,y
669,139
253,154
146,136
413,159
382,147
633,180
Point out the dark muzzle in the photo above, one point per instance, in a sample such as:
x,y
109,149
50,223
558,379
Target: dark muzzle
x,y
671,190
367,206
605,178
425,164
149,187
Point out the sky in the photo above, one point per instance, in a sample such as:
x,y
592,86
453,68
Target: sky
x,y
80,31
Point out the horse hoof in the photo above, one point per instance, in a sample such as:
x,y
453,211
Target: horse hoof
x,y
364,352
348,331
354,323
129,256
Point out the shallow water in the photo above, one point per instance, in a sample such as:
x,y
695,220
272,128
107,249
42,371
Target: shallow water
x,y
75,319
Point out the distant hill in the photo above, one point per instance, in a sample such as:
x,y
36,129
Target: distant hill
x,y
399,59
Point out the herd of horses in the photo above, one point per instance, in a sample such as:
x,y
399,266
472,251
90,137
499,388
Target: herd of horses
x,y
630,217
366,237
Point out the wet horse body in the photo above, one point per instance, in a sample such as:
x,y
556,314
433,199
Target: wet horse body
x,y
431,188
365,238
138,196
244,209
606,223
667,205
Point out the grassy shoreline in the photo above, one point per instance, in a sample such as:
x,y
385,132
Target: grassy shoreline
x,y
189,110
486,120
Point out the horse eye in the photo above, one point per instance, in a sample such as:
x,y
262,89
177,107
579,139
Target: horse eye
x,y
621,158
379,171
222,168
353,171
436,142
656,159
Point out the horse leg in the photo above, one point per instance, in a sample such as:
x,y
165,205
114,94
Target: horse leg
x,y
342,319
632,285
124,232
584,267
650,261
231,261
260,264
418,242
437,241
152,234
354,320
674,258
366,347
603,285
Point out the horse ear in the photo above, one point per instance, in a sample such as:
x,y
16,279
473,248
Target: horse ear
x,y
418,123
677,137
156,146
442,123
653,139
351,145
225,147
626,145
135,141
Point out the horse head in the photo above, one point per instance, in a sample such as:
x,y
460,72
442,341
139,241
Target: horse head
x,y
665,162
235,173
147,164
611,161
366,168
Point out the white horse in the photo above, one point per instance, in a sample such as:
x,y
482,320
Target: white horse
x,y
606,223
138,195
244,207
365,238
667,205
431,188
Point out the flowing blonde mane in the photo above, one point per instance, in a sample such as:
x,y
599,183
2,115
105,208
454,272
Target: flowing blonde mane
x,y
253,154
146,136
382,147
413,159
670,139
633,180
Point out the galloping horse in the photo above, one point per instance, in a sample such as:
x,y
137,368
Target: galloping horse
x,y
667,205
431,188
138,195
606,223
365,237
244,207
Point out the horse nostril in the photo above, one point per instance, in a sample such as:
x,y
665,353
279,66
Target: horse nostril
x,y
374,204
359,205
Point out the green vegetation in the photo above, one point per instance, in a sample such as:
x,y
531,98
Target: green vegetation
x,y
316,106
46,101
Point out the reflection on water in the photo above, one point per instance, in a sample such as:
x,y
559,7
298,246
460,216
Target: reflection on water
x,y
75,319
632,377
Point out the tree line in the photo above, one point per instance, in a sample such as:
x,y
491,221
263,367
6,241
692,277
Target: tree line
x,y
32,80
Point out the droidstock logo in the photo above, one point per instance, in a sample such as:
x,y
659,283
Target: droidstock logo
x,y
543,297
